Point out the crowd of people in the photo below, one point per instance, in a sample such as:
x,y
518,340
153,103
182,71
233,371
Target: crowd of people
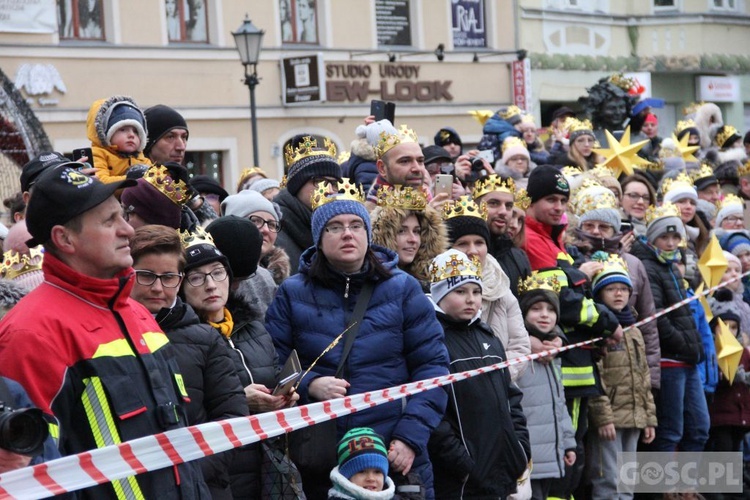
x,y
140,299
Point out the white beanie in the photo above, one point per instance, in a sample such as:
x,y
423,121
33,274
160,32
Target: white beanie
x,y
727,210
680,192
515,150
247,202
372,131
466,273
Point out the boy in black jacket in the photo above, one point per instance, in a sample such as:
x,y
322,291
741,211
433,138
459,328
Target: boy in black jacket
x,y
478,450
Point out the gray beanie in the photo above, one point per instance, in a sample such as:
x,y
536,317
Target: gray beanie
x,y
608,215
261,185
664,225
371,133
247,202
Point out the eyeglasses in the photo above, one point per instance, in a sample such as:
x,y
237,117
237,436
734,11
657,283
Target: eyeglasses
x,y
198,279
259,222
168,280
734,219
616,289
354,227
636,197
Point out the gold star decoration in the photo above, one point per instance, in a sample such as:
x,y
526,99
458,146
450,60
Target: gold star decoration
x,y
621,155
481,115
712,263
728,352
684,149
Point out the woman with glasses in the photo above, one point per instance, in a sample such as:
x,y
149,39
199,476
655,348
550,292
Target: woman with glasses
x,y
208,287
266,216
581,146
637,196
210,379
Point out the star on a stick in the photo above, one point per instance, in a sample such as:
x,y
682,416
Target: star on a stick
x,y
621,155
684,149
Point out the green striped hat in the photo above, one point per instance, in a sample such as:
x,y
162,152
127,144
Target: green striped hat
x,y
362,448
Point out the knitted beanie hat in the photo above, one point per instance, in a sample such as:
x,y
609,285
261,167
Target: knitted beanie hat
x,y
736,242
594,202
151,205
453,269
372,132
466,224
325,213
247,202
515,149
708,208
317,164
206,184
262,185
546,180
160,120
613,272
729,206
447,135
362,448
123,114
202,253
732,258
240,241
531,297
664,225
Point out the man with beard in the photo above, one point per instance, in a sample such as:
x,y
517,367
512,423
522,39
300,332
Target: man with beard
x,y
498,193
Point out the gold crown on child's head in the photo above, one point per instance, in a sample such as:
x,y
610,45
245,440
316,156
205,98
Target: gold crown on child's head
x,y
510,112
175,190
15,264
682,179
511,142
575,125
455,267
493,183
195,237
326,192
539,282
464,207
403,197
387,141
308,147
613,262
730,199
666,209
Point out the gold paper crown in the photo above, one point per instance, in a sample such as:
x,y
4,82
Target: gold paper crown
x,y
308,147
652,165
195,237
389,141
522,200
282,182
175,190
623,81
670,183
575,125
571,171
493,183
703,172
667,209
613,263
592,196
730,199
343,190
457,266
527,119
744,169
464,207
602,171
510,112
344,156
247,172
539,282
15,264
403,197
513,142
725,133
683,125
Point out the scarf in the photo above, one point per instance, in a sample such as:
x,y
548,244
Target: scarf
x,y
609,245
624,317
226,326
665,257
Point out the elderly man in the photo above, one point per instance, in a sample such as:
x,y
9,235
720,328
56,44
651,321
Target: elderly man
x,y
86,352
167,135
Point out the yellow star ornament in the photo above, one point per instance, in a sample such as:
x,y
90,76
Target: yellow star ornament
x,y
704,302
684,149
712,263
481,115
728,351
621,156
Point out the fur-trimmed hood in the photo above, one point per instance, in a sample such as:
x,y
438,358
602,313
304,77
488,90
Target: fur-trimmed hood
x,y
717,158
277,262
362,148
386,223
709,114
98,116
343,488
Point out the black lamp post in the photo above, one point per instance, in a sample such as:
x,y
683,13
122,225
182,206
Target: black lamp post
x,y
248,39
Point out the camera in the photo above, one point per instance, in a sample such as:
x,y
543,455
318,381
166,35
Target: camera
x,y
22,431
477,170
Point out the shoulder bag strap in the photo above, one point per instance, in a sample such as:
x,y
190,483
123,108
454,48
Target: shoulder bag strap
x,y
359,312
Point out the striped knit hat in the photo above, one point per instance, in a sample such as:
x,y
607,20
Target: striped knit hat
x,y
362,448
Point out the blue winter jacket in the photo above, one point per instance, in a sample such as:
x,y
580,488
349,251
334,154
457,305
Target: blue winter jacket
x,y
709,367
399,341
495,131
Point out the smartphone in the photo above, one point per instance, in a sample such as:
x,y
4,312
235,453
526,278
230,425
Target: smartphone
x,y
390,112
444,184
486,154
626,226
80,153
383,110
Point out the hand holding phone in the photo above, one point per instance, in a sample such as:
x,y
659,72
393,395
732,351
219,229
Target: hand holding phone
x,y
444,184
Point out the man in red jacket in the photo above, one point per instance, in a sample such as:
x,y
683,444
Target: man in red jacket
x,y
89,355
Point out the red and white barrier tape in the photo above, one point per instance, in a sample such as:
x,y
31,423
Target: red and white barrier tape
x,y
158,451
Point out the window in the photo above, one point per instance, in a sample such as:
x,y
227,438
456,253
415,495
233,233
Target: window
x,y
80,19
299,21
724,4
393,22
665,3
186,20
204,163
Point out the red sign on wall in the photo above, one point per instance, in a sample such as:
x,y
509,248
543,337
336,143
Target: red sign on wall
x,y
521,76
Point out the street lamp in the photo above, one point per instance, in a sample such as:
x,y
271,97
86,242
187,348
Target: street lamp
x,y
248,39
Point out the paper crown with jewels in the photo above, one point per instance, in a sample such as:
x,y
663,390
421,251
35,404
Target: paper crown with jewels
x,y
684,125
666,209
613,262
602,171
570,171
539,282
387,141
195,237
591,195
344,189
175,190
511,142
464,207
344,157
704,171
493,183
403,197
730,199
576,127
744,169
682,180
724,134
308,147
523,200
510,112
15,264
455,267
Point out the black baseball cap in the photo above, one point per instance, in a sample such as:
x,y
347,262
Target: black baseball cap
x,y
30,172
434,153
62,193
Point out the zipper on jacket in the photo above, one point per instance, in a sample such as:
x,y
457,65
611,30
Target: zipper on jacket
x,y
346,290
242,357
